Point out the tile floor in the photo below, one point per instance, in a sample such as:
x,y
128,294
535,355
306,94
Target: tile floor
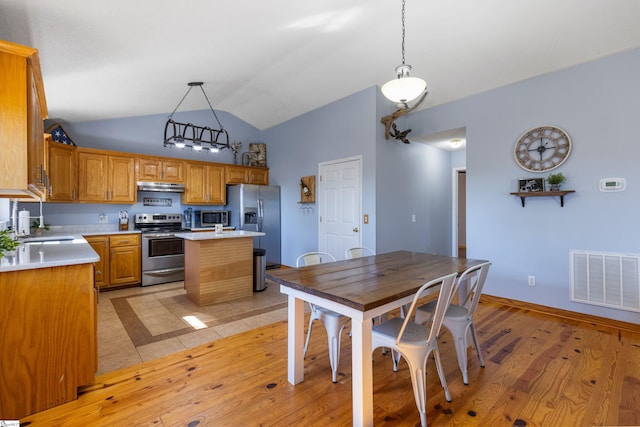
x,y
143,323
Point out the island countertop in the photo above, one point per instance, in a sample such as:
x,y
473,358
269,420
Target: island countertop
x,y
206,235
49,252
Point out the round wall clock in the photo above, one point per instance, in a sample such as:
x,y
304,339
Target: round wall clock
x,y
542,148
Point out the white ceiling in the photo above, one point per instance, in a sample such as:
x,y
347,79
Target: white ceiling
x,y
269,61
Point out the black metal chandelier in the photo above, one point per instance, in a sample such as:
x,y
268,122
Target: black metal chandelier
x,y
198,138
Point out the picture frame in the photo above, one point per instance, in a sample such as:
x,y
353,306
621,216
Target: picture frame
x,y
258,153
530,185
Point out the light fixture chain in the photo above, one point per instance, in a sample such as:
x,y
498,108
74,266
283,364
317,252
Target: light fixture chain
x,y
212,110
180,103
403,3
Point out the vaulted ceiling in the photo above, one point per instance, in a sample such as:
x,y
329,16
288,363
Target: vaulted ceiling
x,y
269,61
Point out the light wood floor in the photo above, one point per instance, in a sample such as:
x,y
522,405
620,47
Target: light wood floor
x,y
541,370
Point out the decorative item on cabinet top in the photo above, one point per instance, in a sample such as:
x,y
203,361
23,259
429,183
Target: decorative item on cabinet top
x,y
58,134
258,154
308,189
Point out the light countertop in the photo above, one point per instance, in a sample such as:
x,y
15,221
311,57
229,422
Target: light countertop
x,y
49,253
206,235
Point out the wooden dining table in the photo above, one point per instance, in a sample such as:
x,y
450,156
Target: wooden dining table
x,y
361,289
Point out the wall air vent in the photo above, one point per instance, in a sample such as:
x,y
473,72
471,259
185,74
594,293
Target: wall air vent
x,y
606,279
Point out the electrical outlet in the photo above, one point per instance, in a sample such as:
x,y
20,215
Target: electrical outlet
x,y
366,218
532,280
103,219
413,217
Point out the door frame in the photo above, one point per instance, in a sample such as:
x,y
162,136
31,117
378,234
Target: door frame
x,y
320,189
454,209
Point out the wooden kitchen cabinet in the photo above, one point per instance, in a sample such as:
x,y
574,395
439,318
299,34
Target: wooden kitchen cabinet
x,y
100,244
124,264
246,175
22,110
105,177
62,171
159,170
120,262
48,337
205,184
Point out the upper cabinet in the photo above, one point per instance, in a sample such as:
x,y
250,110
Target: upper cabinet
x,y
22,110
246,175
63,185
105,177
205,184
153,169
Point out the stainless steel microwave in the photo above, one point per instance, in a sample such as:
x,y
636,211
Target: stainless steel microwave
x,y
205,219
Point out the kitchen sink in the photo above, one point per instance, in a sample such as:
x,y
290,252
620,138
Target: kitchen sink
x,y
46,239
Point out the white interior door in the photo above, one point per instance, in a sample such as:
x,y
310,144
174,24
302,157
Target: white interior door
x,y
339,206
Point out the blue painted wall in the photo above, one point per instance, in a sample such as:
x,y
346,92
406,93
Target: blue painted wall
x,y
596,103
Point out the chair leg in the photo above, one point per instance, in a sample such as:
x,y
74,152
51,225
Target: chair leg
x,y
443,380
475,342
306,344
461,352
334,332
419,390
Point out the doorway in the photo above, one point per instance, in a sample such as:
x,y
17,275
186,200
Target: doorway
x,y
459,209
340,206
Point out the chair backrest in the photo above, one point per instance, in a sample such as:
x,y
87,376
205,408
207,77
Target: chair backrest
x,y
447,286
311,258
358,252
474,278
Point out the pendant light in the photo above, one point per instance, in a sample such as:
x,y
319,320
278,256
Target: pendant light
x,y
404,88
198,138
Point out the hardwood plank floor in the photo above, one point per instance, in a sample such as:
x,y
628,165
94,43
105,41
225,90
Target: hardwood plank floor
x,y
541,370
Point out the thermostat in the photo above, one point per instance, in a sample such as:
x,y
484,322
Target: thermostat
x,y
612,184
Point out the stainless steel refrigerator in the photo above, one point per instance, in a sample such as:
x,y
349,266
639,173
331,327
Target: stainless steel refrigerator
x,y
257,208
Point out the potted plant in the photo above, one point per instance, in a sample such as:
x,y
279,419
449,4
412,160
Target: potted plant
x,y
555,180
7,244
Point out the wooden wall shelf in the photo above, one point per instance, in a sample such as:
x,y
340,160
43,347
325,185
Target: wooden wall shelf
x,y
561,194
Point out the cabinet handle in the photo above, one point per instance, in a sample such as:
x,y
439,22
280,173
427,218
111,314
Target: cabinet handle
x,y
73,194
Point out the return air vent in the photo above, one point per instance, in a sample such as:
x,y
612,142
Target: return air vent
x,y
606,279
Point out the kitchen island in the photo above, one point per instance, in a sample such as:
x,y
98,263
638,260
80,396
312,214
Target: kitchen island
x,y
218,267
47,324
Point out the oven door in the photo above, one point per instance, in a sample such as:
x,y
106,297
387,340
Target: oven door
x,y
162,251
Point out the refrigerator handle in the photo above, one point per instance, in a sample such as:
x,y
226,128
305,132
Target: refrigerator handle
x,y
260,214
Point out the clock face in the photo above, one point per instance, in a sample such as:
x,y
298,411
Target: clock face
x,y
542,148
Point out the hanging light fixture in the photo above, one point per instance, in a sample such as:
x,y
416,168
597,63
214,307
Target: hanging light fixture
x,y
404,88
198,138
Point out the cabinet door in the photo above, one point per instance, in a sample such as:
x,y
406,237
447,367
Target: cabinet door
x,y
195,191
149,169
62,172
217,187
260,176
124,265
236,175
100,244
92,177
35,141
122,188
172,171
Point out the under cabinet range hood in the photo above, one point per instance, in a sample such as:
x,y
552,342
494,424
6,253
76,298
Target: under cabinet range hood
x,y
164,187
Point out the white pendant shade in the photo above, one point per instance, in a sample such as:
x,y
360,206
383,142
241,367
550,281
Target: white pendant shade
x,y
404,89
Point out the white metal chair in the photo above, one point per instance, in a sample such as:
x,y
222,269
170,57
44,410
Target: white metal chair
x,y
333,322
459,317
415,342
358,252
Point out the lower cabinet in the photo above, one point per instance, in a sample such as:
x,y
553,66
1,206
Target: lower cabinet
x,y
119,263
47,336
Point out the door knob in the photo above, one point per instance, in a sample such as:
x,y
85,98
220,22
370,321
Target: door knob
x,y
355,230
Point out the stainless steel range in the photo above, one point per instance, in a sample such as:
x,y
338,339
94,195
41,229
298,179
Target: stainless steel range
x,y
162,251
